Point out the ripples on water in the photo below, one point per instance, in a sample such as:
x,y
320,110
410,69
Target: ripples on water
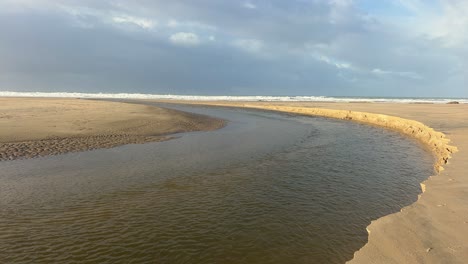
x,y
306,199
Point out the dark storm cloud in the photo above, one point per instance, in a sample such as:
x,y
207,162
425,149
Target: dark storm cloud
x,y
225,47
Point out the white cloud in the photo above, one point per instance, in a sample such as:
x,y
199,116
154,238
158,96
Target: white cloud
x,y
379,71
333,62
194,25
452,25
212,38
185,38
141,22
250,45
376,71
411,75
249,5
445,21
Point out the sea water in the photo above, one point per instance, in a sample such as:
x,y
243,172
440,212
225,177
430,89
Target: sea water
x,y
353,99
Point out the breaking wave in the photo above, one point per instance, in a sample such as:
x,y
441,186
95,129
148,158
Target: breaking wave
x,y
231,98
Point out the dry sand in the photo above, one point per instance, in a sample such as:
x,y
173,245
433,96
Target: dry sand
x,y
31,127
435,228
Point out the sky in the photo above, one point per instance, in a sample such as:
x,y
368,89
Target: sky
x,y
401,48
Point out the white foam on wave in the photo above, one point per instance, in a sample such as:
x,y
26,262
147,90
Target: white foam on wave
x,y
229,98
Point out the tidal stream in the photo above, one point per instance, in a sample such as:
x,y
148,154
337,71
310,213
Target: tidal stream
x,y
267,188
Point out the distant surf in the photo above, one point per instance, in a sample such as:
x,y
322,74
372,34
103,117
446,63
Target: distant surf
x,y
235,98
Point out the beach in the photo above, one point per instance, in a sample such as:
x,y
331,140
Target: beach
x,y
432,230
234,132
33,127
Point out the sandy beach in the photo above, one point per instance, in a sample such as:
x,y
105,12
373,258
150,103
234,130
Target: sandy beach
x,y
34,127
433,229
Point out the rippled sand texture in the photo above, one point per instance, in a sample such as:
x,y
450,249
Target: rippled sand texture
x,y
32,127
435,228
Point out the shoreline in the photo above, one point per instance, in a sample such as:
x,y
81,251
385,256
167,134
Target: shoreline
x,y
36,127
432,229
240,98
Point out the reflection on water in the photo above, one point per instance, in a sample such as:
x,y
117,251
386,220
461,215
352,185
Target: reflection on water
x,y
268,188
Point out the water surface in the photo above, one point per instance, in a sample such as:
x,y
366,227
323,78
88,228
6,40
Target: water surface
x,y
267,188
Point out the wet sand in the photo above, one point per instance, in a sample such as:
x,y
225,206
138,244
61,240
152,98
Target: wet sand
x,y
434,229
32,127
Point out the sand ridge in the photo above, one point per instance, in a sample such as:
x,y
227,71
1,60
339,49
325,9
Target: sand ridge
x,y
33,127
435,228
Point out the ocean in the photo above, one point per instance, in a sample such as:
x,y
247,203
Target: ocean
x,y
236,98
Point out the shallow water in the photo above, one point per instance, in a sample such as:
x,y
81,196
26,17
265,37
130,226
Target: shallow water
x,y
267,188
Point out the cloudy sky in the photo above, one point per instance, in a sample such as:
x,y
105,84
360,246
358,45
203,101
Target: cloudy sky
x,y
227,47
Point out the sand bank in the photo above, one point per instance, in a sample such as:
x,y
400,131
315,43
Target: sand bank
x,y
31,127
435,228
